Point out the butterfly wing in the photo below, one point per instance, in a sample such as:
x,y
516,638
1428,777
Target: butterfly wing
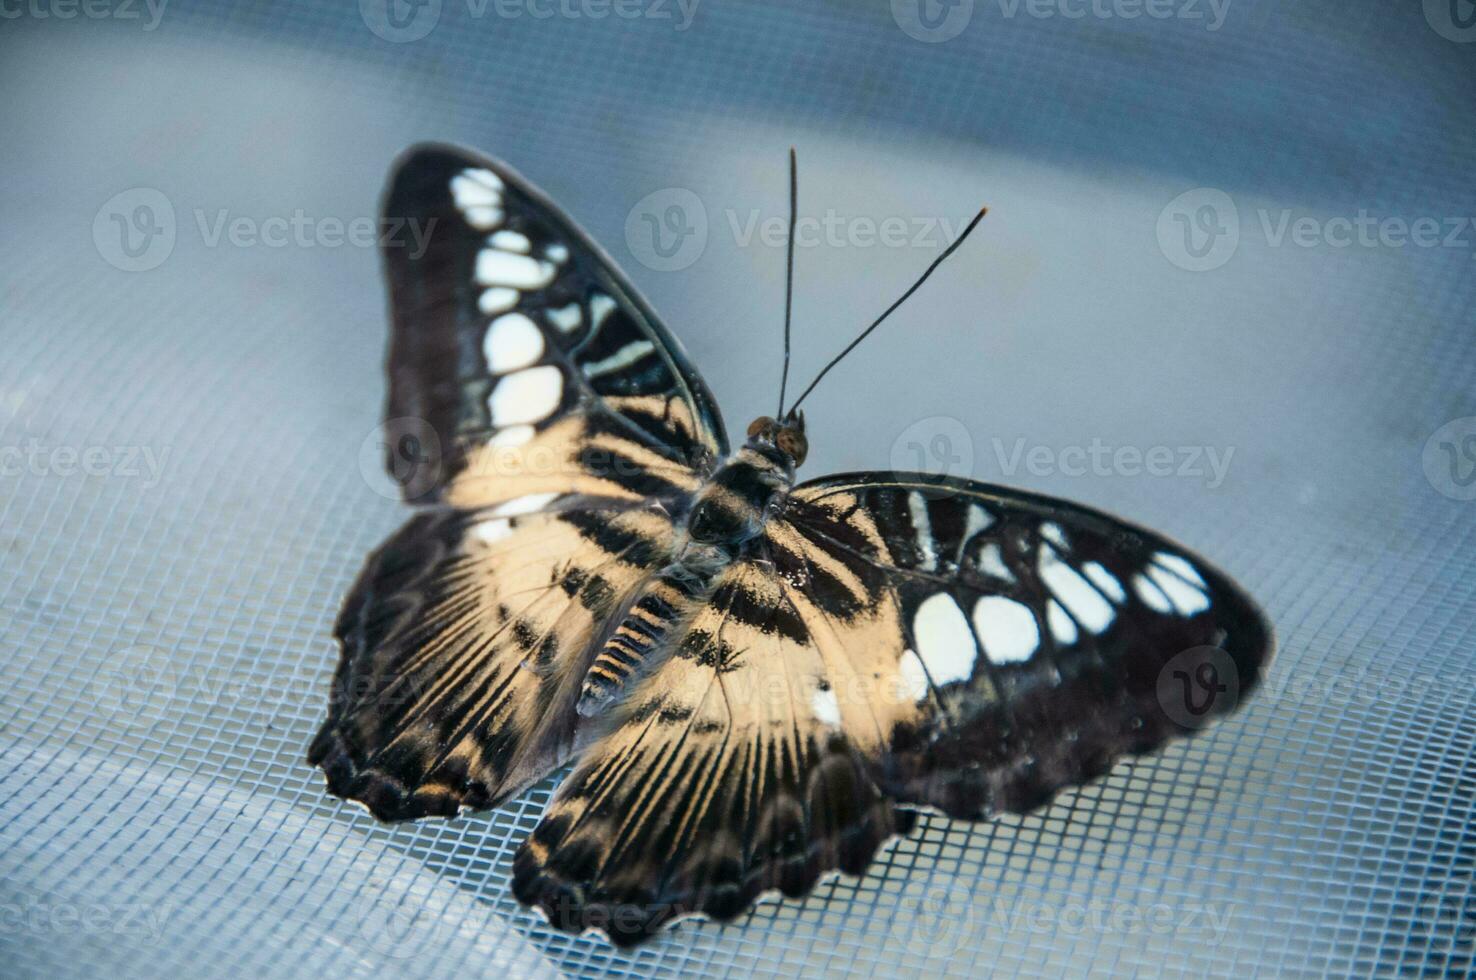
x,y
1039,640
463,644
554,426
898,640
521,360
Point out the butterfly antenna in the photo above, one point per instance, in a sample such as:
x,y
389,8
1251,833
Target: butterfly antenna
x,y
889,310
789,276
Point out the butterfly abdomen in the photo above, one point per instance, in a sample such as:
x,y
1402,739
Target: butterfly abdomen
x,y
727,514
661,607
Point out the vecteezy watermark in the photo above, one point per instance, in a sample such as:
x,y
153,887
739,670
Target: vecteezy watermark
x,y
669,230
36,458
1445,923
153,10
141,685
402,21
38,917
938,446
1102,459
942,20
932,21
939,916
402,458
1197,686
1449,459
398,925
836,230
1201,229
1454,20
136,230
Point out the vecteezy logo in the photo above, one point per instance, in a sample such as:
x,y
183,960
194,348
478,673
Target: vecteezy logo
x,y
400,21
1454,20
1198,685
667,230
934,918
396,925
932,20
938,446
1450,459
133,687
402,456
135,230
1199,230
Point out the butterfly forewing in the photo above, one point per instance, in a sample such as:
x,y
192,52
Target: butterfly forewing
x,y
463,643
1039,640
531,363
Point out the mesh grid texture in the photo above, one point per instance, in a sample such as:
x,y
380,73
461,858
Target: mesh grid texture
x,y
186,496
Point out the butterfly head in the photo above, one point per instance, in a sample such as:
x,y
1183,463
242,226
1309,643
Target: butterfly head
x,y
785,436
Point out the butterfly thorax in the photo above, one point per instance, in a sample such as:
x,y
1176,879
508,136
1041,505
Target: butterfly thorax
x,y
726,518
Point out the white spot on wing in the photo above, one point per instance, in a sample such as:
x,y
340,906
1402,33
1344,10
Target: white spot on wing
x,y
498,299
567,318
977,521
498,268
1075,593
911,676
557,253
1186,598
483,217
991,562
1052,532
623,358
513,341
489,532
512,437
1062,627
1151,595
469,189
826,709
922,527
1006,629
528,504
1180,567
600,306
944,642
483,176
511,241
1105,581
526,396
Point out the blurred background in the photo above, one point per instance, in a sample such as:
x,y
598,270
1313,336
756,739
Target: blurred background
x,y
1225,289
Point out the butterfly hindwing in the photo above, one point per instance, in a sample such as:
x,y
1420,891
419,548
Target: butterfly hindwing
x,y
464,641
896,640
725,774
531,361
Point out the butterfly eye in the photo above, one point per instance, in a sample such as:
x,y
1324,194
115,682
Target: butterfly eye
x,y
758,425
793,444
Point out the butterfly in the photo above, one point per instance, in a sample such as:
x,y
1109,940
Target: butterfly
x,y
759,681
